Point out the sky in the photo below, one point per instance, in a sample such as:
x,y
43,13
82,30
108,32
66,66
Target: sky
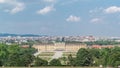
x,y
60,17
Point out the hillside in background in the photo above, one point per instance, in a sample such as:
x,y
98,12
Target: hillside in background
x,y
22,35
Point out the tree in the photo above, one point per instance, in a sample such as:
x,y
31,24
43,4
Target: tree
x,y
26,59
18,56
13,49
64,59
28,50
55,62
114,57
84,58
13,60
71,60
94,52
105,54
40,62
0,63
3,54
19,59
109,57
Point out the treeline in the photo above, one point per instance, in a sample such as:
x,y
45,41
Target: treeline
x,y
103,42
15,56
95,57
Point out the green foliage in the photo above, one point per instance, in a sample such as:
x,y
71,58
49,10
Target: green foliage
x,y
64,59
55,62
114,61
13,55
109,57
95,53
0,63
3,53
18,56
40,62
114,57
26,59
84,58
13,60
103,42
28,50
46,54
13,49
71,60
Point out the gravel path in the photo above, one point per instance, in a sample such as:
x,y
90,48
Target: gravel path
x,y
57,54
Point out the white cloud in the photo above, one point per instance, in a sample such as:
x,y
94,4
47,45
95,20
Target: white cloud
x,y
15,6
46,10
2,1
96,20
72,18
112,9
49,8
19,7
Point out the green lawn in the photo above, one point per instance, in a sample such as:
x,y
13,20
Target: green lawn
x,y
68,53
47,54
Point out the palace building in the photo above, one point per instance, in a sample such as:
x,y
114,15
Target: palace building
x,y
60,46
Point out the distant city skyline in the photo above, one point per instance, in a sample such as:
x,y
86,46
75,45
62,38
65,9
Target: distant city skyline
x,y
60,17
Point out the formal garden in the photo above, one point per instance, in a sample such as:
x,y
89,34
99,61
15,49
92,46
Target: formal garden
x,y
16,56
46,55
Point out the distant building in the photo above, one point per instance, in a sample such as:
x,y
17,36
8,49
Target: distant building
x,y
25,46
104,46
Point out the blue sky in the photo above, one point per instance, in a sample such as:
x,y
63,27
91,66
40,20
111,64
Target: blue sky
x,y
60,17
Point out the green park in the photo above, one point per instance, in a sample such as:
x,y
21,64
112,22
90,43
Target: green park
x,y
13,56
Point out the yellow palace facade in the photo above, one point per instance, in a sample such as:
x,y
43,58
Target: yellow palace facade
x,y
60,46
